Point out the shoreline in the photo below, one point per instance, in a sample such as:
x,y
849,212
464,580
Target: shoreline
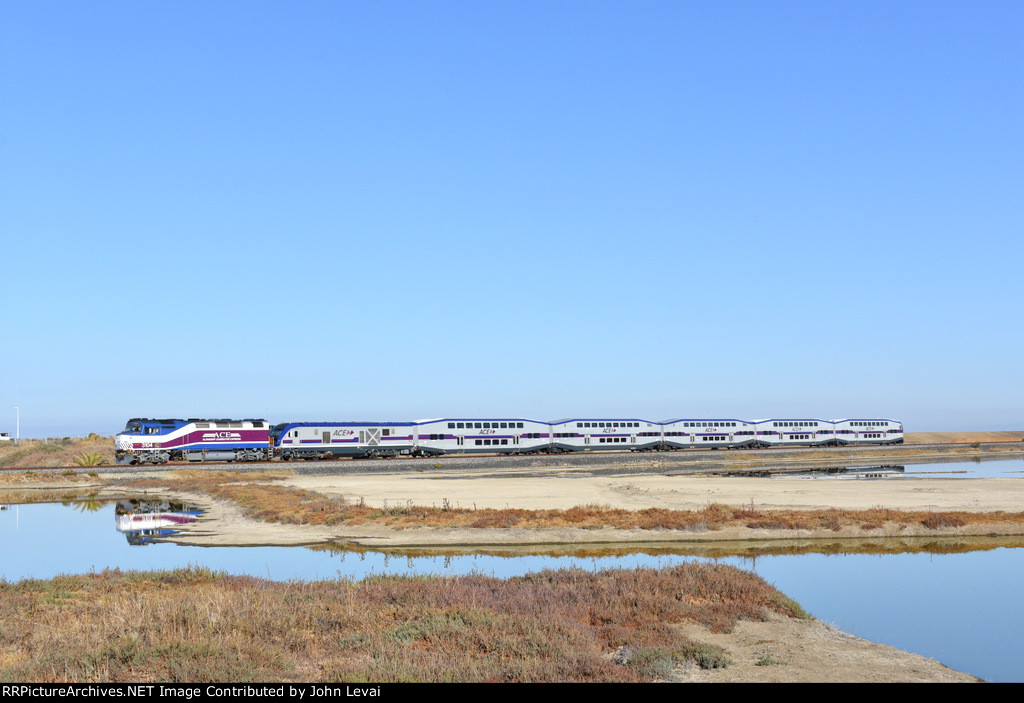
x,y
224,524
804,651
673,481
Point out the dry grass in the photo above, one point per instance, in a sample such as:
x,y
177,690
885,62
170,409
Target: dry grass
x,y
962,437
62,478
259,498
194,625
34,453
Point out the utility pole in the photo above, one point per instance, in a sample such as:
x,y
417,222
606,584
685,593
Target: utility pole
x,y
17,431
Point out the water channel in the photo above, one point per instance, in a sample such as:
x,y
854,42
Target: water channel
x,y
963,609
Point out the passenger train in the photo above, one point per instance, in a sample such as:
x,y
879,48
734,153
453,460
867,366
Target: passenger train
x,y
145,441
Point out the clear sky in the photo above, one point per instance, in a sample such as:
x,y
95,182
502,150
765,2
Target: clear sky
x,y
388,210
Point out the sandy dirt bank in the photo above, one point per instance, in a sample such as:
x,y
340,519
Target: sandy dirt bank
x,y
558,487
563,488
553,489
784,650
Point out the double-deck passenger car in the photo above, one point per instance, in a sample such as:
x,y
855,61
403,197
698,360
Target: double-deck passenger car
x,y
307,440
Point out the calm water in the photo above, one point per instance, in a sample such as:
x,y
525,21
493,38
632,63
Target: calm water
x,y
964,610
1011,468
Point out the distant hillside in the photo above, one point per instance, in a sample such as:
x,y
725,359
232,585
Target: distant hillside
x,y
961,437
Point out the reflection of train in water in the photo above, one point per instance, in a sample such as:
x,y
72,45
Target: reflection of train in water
x,y
145,441
146,521
860,472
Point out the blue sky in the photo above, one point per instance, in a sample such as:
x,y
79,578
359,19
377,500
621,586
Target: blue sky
x,y
402,210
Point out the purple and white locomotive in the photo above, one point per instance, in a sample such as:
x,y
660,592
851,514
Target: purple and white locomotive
x,y
146,441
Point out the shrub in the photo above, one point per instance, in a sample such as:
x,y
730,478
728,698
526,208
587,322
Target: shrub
x,y
504,519
651,662
707,656
936,520
89,459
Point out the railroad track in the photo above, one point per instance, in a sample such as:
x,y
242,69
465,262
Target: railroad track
x,y
641,461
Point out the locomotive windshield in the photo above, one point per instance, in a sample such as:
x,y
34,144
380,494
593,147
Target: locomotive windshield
x,y
133,426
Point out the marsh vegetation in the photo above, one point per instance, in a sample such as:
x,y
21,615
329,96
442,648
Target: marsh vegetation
x,y
197,625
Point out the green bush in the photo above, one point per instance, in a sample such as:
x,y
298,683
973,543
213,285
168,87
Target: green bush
x,y
88,459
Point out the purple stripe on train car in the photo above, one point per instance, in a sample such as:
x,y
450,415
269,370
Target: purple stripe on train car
x,y
229,436
207,438
211,445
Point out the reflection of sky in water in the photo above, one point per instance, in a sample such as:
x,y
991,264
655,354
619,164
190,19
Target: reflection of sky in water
x,y
1007,468
51,539
1004,468
961,609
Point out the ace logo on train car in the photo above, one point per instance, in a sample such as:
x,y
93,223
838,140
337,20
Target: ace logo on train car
x,y
221,436
344,433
